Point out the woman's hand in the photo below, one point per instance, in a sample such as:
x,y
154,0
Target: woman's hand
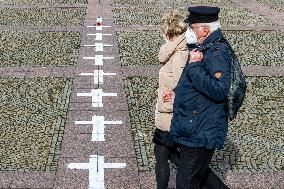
x,y
168,95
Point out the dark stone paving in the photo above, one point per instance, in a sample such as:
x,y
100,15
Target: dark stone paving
x,y
254,150
39,49
230,16
42,16
33,115
248,45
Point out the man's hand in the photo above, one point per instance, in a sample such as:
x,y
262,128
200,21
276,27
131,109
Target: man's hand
x,y
195,56
168,95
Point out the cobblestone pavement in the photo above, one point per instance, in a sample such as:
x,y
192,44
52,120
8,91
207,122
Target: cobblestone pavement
x,y
39,46
255,143
33,116
43,53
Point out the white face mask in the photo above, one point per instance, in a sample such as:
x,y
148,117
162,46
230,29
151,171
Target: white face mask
x,y
190,36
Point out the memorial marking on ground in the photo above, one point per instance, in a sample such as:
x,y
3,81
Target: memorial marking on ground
x,y
98,123
97,97
99,36
98,76
98,59
99,46
96,168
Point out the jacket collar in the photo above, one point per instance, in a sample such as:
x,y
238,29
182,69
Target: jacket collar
x,y
212,37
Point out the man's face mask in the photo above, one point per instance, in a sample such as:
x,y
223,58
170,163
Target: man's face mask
x,y
190,36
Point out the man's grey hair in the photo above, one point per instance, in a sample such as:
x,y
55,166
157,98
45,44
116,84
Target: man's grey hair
x,y
213,26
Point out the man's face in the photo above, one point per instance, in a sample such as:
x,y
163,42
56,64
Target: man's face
x,y
201,32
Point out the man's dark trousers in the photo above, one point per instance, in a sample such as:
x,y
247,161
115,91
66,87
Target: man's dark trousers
x,y
193,169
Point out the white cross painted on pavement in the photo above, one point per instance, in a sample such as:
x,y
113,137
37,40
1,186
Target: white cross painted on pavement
x,y
97,96
96,168
99,28
98,76
99,36
99,46
98,122
99,19
98,59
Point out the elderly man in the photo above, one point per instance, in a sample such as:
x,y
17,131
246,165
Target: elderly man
x,y
199,124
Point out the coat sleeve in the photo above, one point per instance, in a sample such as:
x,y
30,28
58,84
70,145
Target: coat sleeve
x,y
164,107
204,80
179,61
165,52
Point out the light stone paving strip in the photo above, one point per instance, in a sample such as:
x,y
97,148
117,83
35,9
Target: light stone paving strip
x,y
42,17
42,2
39,6
168,2
270,1
252,145
33,116
37,49
263,9
96,179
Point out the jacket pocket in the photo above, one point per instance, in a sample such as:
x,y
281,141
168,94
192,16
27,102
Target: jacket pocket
x,y
187,126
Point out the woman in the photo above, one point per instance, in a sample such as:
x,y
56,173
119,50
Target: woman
x,y
173,56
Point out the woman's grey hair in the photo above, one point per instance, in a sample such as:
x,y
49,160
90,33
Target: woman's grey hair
x,y
213,26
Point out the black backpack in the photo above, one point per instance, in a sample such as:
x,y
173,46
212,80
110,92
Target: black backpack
x,y
238,85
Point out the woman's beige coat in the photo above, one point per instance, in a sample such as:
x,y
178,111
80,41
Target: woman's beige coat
x,y
173,57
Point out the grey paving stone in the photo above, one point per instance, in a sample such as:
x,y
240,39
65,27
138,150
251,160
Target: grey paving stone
x,y
33,116
76,145
33,180
270,1
122,178
37,49
168,2
42,2
257,48
75,178
118,142
135,49
6,179
42,17
229,16
252,144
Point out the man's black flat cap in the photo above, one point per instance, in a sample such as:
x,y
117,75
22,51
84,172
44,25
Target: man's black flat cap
x,y
202,14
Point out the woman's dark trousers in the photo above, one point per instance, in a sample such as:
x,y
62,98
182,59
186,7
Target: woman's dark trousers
x,y
162,167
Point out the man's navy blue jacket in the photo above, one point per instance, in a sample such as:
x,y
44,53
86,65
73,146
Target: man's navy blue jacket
x,y
199,114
